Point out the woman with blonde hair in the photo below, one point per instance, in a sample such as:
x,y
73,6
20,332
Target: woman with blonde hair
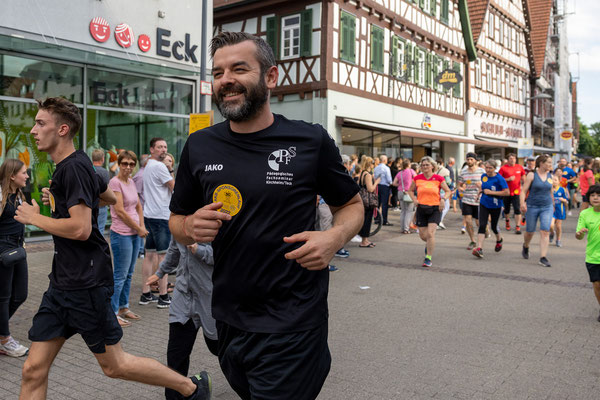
x,y
13,266
365,180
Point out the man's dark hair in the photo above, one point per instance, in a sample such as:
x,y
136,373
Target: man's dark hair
x,y
509,155
156,139
471,155
593,189
439,160
264,53
64,112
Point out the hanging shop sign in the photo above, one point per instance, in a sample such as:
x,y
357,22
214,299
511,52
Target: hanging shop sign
x,y
566,135
525,147
448,78
426,123
166,47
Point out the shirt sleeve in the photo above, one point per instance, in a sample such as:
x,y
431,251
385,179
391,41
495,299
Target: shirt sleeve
x,y
333,182
115,185
188,195
581,222
163,175
502,182
79,186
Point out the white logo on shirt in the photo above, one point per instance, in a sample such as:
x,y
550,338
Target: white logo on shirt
x,y
279,156
213,167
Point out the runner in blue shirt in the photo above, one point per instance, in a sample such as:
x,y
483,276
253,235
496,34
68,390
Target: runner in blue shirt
x,y
493,188
561,200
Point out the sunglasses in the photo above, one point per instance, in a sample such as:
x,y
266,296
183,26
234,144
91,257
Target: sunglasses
x,y
128,164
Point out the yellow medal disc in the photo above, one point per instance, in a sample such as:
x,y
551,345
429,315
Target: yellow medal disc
x,y
485,179
468,182
52,202
231,198
516,191
549,180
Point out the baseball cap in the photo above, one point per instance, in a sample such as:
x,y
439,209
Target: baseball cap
x,y
471,155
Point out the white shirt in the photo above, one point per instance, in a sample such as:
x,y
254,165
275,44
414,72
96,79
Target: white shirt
x,y
157,195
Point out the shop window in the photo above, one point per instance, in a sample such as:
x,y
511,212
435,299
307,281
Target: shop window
x,y
133,92
35,79
348,37
295,35
376,48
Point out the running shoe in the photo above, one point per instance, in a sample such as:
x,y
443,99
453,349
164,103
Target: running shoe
x,y
558,243
525,252
544,262
413,227
356,239
478,252
427,262
518,230
523,222
442,226
12,348
342,253
508,225
163,302
498,245
551,237
333,268
463,230
147,299
471,246
203,384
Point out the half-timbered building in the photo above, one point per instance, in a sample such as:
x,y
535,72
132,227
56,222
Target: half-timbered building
x,y
369,71
499,77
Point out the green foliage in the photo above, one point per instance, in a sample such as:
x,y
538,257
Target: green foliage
x,y
589,139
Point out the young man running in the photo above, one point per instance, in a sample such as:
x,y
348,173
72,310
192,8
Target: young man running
x,y
249,186
589,222
469,182
81,281
514,174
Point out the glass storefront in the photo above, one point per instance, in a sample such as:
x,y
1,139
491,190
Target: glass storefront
x,y
361,141
120,110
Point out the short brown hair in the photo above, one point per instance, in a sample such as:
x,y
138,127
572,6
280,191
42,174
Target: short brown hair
x,y
509,155
264,53
97,155
126,154
64,112
541,159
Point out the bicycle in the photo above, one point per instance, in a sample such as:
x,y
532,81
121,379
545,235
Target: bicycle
x,y
377,222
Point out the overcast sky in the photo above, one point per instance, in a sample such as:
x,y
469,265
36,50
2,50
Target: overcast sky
x,y
584,38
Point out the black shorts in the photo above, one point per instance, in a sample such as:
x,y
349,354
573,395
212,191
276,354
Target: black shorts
x,y
515,202
428,215
469,209
64,313
594,271
273,366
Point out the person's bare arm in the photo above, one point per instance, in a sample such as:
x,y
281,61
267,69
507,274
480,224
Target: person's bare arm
x,y
170,184
411,193
320,246
126,218
200,227
77,227
524,190
107,198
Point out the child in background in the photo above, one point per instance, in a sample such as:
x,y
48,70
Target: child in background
x,y
561,200
589,222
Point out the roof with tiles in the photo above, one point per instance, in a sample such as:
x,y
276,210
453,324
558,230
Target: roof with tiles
x,y
539,13
477,11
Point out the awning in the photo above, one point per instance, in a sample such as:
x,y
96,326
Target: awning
x,y
497,142
416,133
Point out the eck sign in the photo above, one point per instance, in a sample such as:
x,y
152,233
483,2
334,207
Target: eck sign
x,y
448,78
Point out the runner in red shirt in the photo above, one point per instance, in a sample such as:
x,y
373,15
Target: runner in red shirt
x,y
514,174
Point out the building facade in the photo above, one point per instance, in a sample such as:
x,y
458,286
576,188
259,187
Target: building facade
x,y
371,72
131,67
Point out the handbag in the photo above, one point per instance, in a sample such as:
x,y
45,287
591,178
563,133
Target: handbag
x,y
369,199
405,196
12,256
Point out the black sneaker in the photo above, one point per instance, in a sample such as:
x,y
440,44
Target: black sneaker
x,y
525,253
163,302
147,299
203,384
544,262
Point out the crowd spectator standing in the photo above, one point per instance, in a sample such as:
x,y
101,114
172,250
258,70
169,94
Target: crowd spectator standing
x,y
127,227
538,204
395,166
384,176
589,223
366,180
98,161
514,174
13,262
586,179
469,181
403,180
158,187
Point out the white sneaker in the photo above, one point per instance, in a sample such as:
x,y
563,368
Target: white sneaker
x,y
441,225
570,214
12,348
356,239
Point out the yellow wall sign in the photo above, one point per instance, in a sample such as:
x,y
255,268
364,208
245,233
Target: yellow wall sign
x,y
200,121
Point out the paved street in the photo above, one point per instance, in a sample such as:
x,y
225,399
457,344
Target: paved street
x,y
497,328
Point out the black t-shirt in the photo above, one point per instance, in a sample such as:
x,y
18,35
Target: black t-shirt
x,y
9,226
78,264
278,173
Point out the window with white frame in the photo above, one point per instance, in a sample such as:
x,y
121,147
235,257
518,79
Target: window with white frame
x,y
515,88
498,80
421,67
400,60
505,89
440,62
488,77
491,26
290,34
517,39
509,40
478,72
427,6
501,32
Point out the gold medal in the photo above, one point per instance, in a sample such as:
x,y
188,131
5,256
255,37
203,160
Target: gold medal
x,y
52,202
468,181
485,179
549,180
516,191
231,198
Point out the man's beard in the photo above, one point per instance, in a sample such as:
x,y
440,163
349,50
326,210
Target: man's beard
x,y
254,99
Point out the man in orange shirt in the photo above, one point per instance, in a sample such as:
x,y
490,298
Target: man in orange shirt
x,y
514,174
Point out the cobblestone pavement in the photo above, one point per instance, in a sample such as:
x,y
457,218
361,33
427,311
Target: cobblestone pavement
x,y
497,328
